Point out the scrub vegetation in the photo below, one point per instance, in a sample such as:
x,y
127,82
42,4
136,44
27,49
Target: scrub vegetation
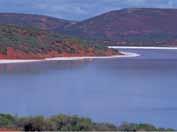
x,y
67,123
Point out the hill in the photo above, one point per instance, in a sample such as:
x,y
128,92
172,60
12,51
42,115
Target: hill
x,y
134,26
37,21
130,27
31,43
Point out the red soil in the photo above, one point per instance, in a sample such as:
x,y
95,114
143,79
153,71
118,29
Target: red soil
x,y
8,130
16,54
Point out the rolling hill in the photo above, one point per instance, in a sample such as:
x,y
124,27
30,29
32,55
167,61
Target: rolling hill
x,y
134,26
31,43
127,22
37,21
125,27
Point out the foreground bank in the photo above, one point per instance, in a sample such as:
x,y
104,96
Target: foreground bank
x,y
67,123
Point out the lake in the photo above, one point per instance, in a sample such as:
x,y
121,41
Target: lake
x,y
140,90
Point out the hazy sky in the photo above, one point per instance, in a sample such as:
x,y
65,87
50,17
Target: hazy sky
x,y
78,9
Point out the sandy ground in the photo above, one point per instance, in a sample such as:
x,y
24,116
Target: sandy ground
x,y
137,47
125,54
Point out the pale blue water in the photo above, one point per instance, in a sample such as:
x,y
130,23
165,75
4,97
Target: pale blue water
x,y
141,89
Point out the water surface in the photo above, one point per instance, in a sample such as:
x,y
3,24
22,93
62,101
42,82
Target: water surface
x,y
141,89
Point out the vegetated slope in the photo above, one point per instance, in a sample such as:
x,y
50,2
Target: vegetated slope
x,y
29,43
38,21
134,26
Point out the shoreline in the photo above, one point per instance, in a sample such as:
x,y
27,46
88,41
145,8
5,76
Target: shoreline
x,y
144,47
125,55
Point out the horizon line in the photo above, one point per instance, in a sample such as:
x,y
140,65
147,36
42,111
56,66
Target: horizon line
x,y
55,17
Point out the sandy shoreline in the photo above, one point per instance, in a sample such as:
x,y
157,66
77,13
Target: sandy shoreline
x,y
125,55
146,47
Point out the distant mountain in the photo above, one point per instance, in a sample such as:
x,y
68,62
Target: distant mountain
x,y
134,26
38,21
31,43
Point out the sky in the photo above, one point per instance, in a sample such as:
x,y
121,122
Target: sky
x,y
78,9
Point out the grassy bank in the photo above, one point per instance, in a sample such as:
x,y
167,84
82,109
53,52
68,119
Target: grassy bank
x,y
67,123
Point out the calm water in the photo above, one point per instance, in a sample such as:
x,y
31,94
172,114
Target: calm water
x,y
142,89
